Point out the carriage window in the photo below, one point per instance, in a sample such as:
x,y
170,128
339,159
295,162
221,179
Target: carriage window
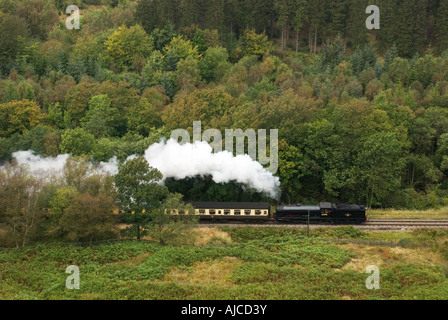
x,y
265,212
202,211
212,211
226,212
237,212
219,211
181,212
257,212
174,211
247,212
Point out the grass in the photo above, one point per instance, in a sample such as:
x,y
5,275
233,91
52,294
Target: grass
x,y
238,263
441,213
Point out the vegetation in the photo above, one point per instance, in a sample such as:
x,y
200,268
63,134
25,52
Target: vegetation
x,y
139,193
257,264
362,115
165,229
440,213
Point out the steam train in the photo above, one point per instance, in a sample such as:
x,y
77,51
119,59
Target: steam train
x,y
261,212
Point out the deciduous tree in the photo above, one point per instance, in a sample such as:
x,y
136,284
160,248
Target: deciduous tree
x,y
21,200
172,222
18,116
139,193
88,218
126,45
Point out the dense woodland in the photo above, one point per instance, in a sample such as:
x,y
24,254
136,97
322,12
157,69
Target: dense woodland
x,y
362,115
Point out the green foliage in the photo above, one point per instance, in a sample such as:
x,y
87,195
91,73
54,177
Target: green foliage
x,y
143,118
361,118
188,75
349,232
77,142
334,54
87,218
172,222
101,119
265,263
137,70
61,200
12,35
139,193
180,48
214,64
255,44
56,115
126,45
162,37
363,58
154,67
290,169
21,199
18,116
425,68
390,56
380,176
211,106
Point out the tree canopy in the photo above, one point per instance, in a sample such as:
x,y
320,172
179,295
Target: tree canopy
x,y
361,113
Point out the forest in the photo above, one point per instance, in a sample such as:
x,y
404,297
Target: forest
x,y
361,114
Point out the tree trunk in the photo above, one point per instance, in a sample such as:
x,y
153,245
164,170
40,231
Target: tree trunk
x,y
309,40
286,37
281,41
297,41
315,41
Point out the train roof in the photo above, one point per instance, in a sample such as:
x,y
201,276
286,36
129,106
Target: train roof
x,y
298,207
231,205
323,205
345,206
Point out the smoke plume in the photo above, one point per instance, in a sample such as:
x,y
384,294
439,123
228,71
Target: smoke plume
x,y
177,161
189,160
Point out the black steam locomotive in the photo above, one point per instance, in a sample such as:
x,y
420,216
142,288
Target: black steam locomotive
x,y
261,212
325,212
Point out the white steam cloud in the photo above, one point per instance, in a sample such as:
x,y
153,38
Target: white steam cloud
x,y
39,165
188,160
51,167
177,161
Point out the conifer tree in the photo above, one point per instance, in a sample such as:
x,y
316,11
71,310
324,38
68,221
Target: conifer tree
x,y
441,26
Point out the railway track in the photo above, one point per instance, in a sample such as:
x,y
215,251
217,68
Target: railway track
x,y
407,223
372,224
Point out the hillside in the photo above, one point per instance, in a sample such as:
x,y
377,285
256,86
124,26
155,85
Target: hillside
x,y
360,115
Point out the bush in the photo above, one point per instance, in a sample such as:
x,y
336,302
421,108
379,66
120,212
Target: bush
x,y
77,142
347,232
88,218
